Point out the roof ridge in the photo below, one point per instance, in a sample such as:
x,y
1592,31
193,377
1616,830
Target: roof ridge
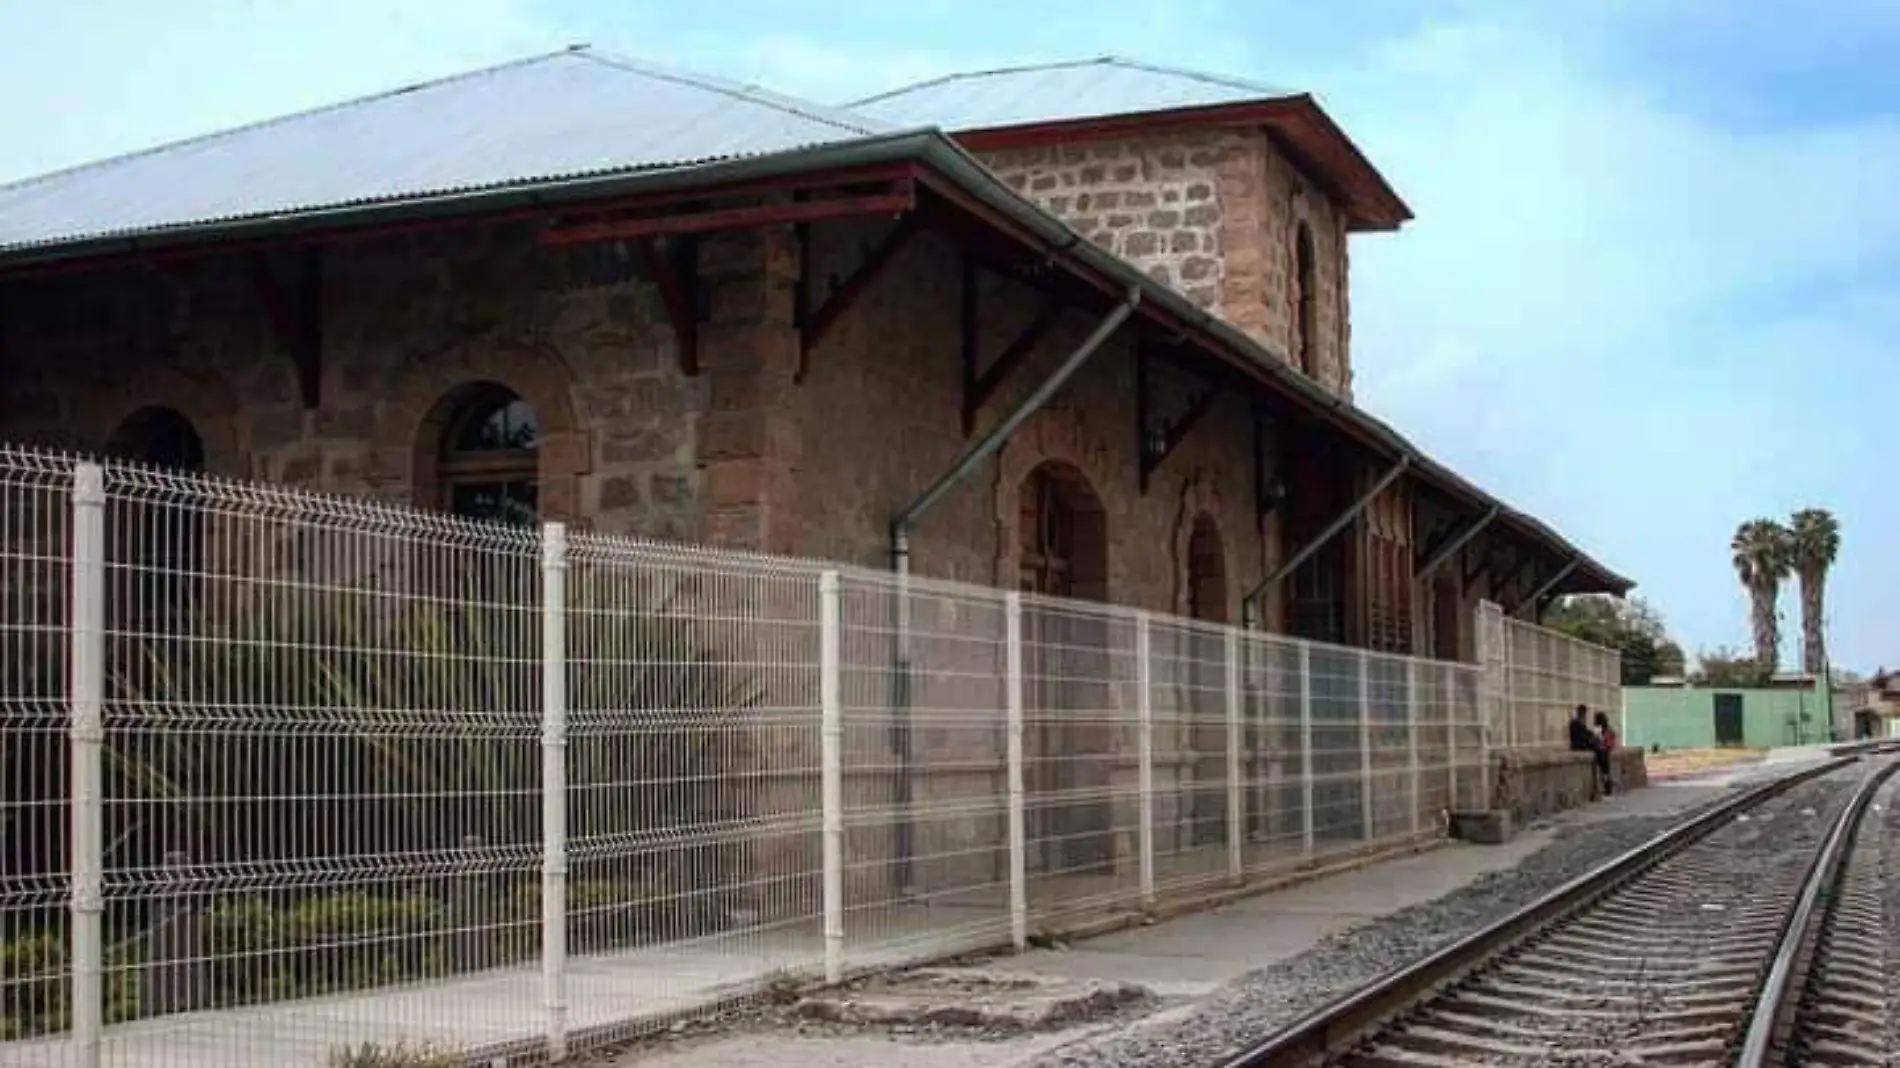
x,y
1107,59
1227,80
842,118
942,79
276,120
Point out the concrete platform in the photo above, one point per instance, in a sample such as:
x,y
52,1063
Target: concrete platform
x,y
1184,958
1193,956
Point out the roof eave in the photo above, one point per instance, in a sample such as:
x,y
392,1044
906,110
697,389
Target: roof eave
x,y
928,147
1372,203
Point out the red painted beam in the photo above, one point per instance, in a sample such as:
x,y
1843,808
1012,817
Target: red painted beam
x,y
733,218
223,245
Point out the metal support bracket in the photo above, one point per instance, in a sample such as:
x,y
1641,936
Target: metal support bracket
x,y
1524,571
1437,557
1332,531
1486,564
981,384
1562,573
1157,438
1269,490
844,295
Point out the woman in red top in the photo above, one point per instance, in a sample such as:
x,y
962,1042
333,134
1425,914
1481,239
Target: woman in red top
x,y
1608,734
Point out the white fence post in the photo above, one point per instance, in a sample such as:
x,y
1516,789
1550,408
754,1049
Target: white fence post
x,y
1018,835
1365,744
88,736
831,767
1451,738
1236,859
554,787
1145,727
1306,748
1411,736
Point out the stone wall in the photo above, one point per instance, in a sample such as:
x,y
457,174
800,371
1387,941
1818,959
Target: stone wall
x,y
739,455
404,323
1532,784
1212,213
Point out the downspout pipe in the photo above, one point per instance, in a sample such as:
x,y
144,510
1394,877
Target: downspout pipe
x,y
1249,604
906,520
1562,574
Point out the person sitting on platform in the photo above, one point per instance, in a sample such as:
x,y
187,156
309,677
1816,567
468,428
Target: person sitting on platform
x,y
1606,738
1584,740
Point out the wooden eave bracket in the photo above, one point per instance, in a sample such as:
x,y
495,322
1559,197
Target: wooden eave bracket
x,y
1268,491
1156,440
672,269
1485,563
295,311
980,385
814,327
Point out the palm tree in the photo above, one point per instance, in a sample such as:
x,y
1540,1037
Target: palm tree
x,y
1814,542
1761,555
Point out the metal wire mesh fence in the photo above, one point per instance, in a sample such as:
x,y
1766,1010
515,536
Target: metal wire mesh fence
x,y
286,773
1543,676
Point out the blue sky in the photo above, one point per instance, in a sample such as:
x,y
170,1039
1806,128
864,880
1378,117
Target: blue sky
x,y
1652,289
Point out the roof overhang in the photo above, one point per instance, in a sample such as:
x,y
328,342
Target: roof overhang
x,y
1298,125
937,164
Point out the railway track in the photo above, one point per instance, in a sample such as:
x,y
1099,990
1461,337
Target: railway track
x,y
1753,935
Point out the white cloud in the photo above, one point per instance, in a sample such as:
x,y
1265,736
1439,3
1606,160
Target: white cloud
x,y
1657,323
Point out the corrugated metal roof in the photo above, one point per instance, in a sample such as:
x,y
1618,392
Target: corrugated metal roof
x,y
563,115
1058,92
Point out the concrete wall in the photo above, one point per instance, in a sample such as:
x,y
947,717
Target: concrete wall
x,y
1212,213
1531,785
1684,718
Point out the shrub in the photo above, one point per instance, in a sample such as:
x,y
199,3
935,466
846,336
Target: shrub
x,y
400,1055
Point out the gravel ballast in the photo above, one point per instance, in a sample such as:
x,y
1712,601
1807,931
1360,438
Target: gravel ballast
x,y
1262,1001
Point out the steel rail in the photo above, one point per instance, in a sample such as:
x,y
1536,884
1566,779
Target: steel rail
x,y
1336,1028
1772,1018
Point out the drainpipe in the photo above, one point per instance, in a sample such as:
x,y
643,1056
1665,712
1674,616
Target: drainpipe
x,y
901,526
1249,612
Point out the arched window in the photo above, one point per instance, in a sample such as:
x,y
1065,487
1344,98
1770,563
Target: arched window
x,y
158,437
155,538
489,461
1206,573
1305,300
1064,535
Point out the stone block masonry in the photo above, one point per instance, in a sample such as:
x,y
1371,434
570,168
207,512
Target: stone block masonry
x,y
1214,214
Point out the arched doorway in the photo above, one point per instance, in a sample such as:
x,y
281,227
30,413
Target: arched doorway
x,y
1204,668
155,537
1069,737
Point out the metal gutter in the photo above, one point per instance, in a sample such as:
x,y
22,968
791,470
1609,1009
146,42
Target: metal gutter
x,y
926,146
1332,531
905,521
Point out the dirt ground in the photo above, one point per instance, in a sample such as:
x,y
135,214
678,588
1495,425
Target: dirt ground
x,y
1677,763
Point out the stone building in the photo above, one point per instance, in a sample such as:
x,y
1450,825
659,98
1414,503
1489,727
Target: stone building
x,y
663,305
577,288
